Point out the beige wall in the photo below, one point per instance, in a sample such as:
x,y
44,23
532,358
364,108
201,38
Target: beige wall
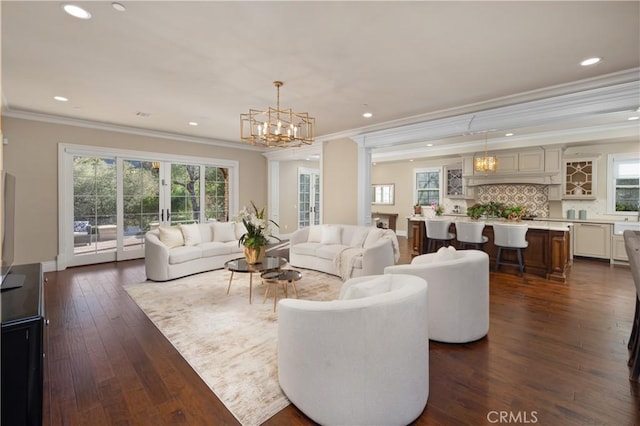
x,y
400,173
340,181
32,156
288,204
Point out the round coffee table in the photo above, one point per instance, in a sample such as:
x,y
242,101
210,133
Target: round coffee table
x,y
270,263
283,278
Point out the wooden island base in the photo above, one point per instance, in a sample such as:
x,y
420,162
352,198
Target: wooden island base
x,y
548,254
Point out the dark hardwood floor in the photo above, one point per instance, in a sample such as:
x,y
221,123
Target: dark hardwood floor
x,y
555,355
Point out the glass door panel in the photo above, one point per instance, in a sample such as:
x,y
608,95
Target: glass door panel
x,y
140,203
308,197
185,194
216,184
111,202
94,206
304,204
316,198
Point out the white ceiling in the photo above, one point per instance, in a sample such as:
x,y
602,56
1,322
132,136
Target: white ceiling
x,y
210,61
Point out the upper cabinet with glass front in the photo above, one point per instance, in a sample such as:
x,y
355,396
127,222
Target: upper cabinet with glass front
x,y
579,180
454,183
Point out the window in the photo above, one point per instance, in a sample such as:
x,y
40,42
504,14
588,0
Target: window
x,y
623,176
427,186
382,194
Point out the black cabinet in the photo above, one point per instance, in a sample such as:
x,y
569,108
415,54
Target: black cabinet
x,y
23,348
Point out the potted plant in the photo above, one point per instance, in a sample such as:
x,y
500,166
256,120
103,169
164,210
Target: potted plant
x,y
514,213
494,208
258,231
437,208
475,211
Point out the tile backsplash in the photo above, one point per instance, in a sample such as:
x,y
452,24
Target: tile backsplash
x,y
534,197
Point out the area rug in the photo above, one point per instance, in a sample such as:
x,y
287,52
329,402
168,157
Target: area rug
x,y
228,342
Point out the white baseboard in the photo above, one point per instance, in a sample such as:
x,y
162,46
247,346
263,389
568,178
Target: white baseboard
x,y
49,266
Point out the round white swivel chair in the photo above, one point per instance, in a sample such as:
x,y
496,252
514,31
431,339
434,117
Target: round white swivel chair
x,y
438,232
469,234
510,237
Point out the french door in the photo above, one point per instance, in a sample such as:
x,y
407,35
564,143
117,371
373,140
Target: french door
x,y
308,197
109,201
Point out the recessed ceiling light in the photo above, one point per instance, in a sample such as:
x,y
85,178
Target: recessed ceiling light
x,y
76,11
143,114
508,134
590,61
367,115
118,6
375,164
60,98
193,123
633,118
429,144
411,161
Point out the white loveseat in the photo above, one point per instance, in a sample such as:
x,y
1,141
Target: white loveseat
x,y
344,250
173,252
360,360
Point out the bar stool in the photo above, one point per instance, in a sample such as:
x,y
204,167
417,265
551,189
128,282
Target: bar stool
x,y
510,237
438,232
632,247
470,234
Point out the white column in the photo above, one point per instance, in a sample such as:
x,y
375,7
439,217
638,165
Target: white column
x,y
364,183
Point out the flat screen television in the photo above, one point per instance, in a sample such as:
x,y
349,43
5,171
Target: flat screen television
x,y
8,212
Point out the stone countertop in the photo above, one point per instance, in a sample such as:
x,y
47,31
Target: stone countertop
x,y
550,225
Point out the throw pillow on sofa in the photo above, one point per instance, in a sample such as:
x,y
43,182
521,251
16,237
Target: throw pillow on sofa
x,y
240,230
171,237
331,235
315,234
224,232
191,234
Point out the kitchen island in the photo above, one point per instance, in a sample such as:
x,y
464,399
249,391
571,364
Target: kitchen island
x,y
548,254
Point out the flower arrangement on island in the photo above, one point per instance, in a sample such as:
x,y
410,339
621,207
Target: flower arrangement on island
x,y
437,208
495,209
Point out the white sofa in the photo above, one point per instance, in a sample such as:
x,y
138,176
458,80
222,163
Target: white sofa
x,y
361,361
344,250
173,252
458,292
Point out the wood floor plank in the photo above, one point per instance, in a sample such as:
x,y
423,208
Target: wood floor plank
x,y
558,350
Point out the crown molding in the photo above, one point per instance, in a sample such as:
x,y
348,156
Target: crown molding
x,y
619,97
622,131
55,119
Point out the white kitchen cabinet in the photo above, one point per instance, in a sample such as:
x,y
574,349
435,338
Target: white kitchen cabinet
x,y
467,170
507,162
555,192
592,240
618,252
531,161
580,178
454,184
553,161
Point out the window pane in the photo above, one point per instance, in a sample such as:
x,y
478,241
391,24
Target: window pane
x,y
216,183
428,187
627,199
